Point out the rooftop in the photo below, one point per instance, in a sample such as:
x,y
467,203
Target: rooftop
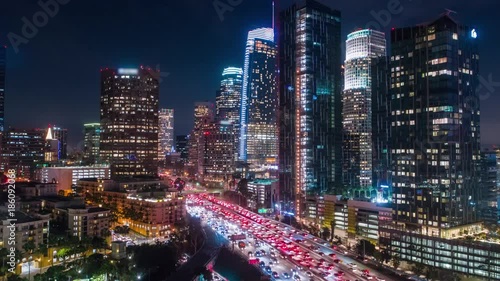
x,y
19,216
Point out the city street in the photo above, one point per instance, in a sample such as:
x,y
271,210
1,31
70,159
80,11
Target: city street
x,y
309,255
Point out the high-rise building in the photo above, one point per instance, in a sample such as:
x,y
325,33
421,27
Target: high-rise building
x,y
91,141
258,129
217,147
22,150
61,135
52,147
129,121
228,101
228,98
3,63
310,103
362,48
488,201
203,115
181,146
435,125
166,132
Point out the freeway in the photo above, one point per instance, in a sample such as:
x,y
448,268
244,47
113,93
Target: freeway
x,y
309,255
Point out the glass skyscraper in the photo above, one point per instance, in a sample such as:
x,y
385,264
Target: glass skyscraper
x,y
91,141
228,102
129,121
435,141
310,103
165,133
228,98
258,130
362,47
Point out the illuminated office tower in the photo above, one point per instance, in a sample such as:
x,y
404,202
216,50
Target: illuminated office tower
x,y
91,141
61,135
363,47
52,147
228,101
310,103
22,150
435,138
129,121
258,130
165,133
228,98
217,147
3,63
203,115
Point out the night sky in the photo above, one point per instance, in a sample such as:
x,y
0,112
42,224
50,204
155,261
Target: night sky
x,y
54,78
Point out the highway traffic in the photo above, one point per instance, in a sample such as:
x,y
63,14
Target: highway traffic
x,y
280,250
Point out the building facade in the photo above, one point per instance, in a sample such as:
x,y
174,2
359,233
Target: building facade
x,y
310,103
217,144
91,142
22,150
88,222
259,133
27,228
129,121
435,128
204,115
362,47
182,147
67,177
166,133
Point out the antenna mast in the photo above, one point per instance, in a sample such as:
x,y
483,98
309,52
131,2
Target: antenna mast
x,y
273,15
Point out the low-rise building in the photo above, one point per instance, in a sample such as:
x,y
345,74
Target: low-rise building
x,y
27,228
263,193
29,190
66,177
88,222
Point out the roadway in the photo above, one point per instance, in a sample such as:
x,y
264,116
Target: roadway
x,y
312,252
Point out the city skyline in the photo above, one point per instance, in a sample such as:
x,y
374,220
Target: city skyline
x,y
244,18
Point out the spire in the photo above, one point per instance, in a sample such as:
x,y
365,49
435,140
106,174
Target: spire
x,y
49,134
273,16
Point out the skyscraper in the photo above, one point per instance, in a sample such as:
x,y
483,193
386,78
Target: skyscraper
x,y
91,141
52,150
166,132
362,47
217,147
258,130
310,102
3,63
435,141
203,115
181,146
22,150
61,135
228,102
228,97
129,121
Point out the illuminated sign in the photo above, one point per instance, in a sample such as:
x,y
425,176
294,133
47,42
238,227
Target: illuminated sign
x,y
128,71
473,33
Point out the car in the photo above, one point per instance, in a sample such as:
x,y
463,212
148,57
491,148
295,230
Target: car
x,y
353,264
250,254
309,274
296,277
332,255
275,274
268,269
286,275
379,279
262,264
336,261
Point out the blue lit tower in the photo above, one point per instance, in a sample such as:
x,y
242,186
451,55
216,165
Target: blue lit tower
x,y
3,59
258,130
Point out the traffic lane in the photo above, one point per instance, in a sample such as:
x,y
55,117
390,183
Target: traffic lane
x,y
283,265
347,260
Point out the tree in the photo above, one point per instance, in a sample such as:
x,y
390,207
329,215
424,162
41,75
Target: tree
x,y
15,277
243,188
325,233
396,262
365,248
332,225
378,256
419,268
386,256
29,246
